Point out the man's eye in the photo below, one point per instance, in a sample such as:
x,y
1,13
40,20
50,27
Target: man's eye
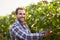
x,y
24,14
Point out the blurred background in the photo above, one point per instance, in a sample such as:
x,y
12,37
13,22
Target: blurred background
x,y
42,15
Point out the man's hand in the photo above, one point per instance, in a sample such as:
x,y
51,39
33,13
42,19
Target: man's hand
x,y
48,33
45,34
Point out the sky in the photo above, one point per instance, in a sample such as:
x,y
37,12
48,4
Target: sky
x,y
7,6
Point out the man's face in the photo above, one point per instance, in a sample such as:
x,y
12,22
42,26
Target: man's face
x,y
21,15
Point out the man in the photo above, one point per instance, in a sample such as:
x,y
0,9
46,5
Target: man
x,y
20,31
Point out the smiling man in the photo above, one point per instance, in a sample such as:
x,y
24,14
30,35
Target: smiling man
x,y
20,30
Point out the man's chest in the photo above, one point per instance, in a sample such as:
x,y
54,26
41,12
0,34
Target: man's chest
x,y
24,28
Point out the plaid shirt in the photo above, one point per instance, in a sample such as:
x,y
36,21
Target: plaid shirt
x,y
22,32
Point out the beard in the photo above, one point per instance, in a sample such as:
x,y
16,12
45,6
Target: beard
x,y
21,19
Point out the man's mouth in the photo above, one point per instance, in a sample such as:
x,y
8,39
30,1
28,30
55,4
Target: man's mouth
x,y
22,18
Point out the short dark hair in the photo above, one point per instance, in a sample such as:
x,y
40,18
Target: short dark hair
x,y
18,9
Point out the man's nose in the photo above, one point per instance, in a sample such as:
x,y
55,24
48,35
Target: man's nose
x,y
22,15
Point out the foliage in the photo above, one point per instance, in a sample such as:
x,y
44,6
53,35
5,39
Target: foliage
x,y
5,23
44,17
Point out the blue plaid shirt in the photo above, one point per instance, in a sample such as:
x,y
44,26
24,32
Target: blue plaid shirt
x,y
22,32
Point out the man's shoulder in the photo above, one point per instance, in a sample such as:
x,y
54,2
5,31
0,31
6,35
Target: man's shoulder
x,y
13,25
